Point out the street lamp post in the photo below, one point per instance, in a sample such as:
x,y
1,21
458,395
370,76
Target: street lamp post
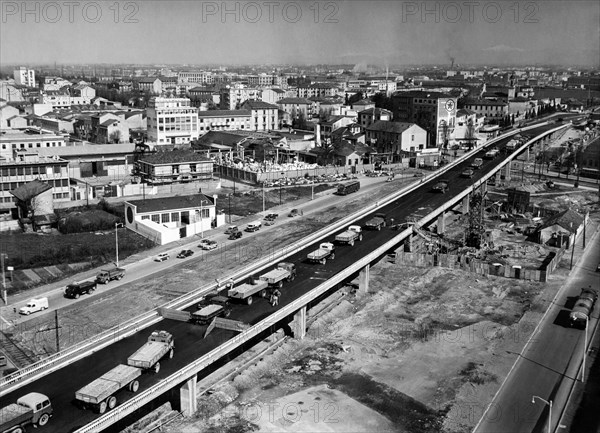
x,y
4,293
584,348
229,199
549,403
281,185
117,225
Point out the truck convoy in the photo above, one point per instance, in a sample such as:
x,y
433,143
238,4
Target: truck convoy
x,y
583,308
377,222
325,251
77,289
31,409
283,272
106,275
100,394
352,234
245,291
264,284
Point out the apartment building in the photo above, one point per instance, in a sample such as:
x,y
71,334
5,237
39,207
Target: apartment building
x,y
224,120
171,121
13,141
27,166
232,97
490,109
265,117
24,76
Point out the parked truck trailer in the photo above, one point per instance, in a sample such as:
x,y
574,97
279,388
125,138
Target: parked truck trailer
x,y
147,357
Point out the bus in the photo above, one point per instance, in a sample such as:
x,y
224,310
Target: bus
x,y
348,187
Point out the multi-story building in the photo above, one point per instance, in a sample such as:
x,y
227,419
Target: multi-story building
x,y
232,97
265,117
495,110
174,167
224,120
435,112
198,77
26,167
13,141
152,85
323,90
295,106
171,121
24,76
372,115
271,96
396,137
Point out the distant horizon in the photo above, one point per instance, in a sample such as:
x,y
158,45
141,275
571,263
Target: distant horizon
x,y
395,34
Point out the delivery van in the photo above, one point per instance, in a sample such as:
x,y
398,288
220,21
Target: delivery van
x,y
34,305
253,226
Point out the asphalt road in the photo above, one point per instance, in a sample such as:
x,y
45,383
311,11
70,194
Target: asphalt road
x,y
550,359
61,385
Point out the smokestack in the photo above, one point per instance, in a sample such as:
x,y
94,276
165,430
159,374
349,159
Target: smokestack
x,y
451,62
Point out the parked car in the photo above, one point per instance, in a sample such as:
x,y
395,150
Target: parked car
x,y
230,230
271,216
184,254
210,245
162,257
294,212
234,236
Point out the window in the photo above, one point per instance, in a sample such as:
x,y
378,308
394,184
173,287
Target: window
x,y
145,217
165,218
174,217
156,218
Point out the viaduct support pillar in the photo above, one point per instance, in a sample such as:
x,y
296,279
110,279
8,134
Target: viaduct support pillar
x,y
363,279
441,224
498,179
507,168
299,324
483,188
465,204
188,395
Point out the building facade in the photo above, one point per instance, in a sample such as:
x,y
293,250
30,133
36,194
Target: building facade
x,y
224,120
171,121
24,76
265,117
173,167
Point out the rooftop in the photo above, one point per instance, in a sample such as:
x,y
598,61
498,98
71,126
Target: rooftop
x,y
224,113
174,156
30,190
387,126
171,203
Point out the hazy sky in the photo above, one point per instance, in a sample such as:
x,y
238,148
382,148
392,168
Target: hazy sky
x,y
300,32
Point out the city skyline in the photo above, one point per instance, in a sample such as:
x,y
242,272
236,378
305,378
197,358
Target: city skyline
x,y
299,32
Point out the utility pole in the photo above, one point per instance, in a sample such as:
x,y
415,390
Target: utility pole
x,y
4,292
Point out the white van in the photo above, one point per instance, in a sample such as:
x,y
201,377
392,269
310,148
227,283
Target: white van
x,y
34,305
254,226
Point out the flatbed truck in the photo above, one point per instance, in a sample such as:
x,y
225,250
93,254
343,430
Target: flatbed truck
x,y
31,409
100,394
325,251
283,272
147,357
245,291
352,234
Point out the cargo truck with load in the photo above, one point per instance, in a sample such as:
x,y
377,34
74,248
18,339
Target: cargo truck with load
x,y
442,186
377,222
106,275
245,291
325,251
77,289
100,394
147,357
352,234
31,409
283,272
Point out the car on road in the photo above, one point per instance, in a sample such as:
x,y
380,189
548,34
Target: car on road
x,y
231,229
209,245
294,212
162,257
467,172
184,254
235,235
271,216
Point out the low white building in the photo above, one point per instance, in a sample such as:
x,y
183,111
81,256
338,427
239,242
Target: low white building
x,y
168,219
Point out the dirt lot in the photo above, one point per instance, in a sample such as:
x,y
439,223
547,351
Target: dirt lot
x,y
420,354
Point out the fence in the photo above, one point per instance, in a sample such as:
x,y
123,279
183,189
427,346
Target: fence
x,y
470,264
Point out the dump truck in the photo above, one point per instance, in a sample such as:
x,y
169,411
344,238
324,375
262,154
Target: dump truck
x,y
106,275
245,291
352,234
149,355
325,251
283,271
31,409
75,290
583,308
442,186
377,222
100,394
